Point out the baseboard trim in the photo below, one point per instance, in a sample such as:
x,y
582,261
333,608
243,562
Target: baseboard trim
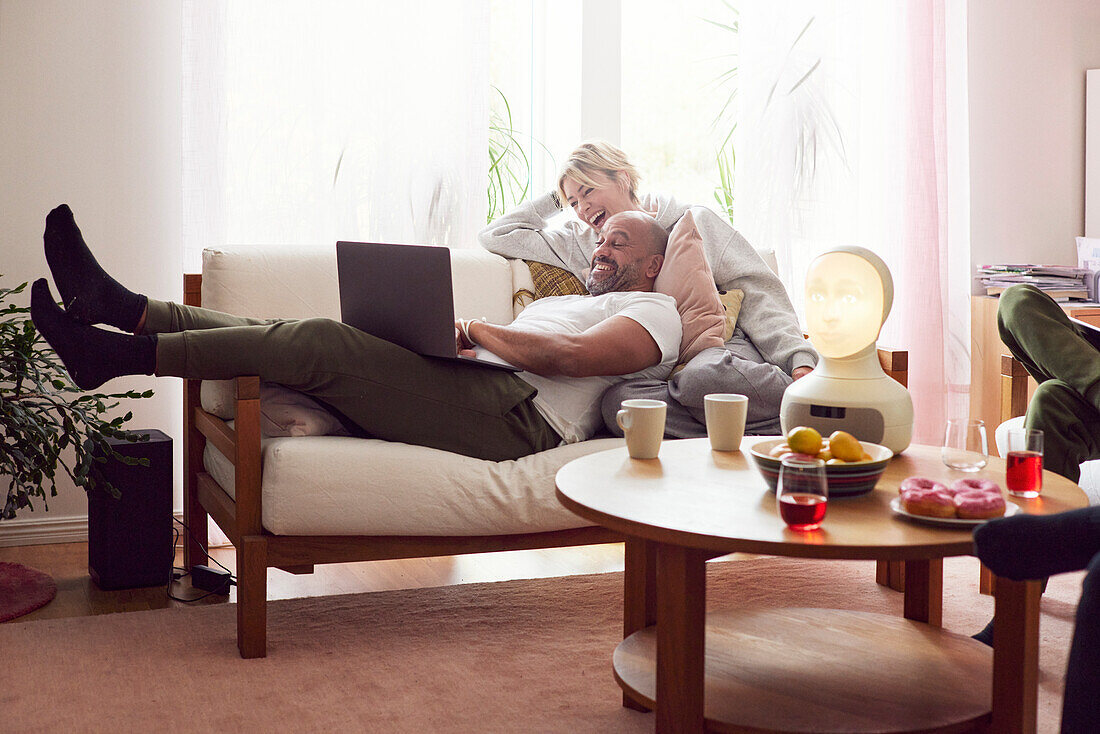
x,y
73,529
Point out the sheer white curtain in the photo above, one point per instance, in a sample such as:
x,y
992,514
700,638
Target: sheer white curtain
x,y
305,123
842,140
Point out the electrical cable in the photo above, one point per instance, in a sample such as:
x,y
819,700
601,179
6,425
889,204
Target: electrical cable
x,y
185,572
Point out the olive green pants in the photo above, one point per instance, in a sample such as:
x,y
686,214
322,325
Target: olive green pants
x,y
388,391
1065,360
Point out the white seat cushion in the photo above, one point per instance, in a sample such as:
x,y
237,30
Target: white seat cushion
x,y
1090,470
330,485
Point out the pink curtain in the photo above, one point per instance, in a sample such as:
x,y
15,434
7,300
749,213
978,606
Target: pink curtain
x,y
922,299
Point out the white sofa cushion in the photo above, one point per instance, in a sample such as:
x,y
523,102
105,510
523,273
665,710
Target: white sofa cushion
x,y
280,282
301,282
1090,470
329,485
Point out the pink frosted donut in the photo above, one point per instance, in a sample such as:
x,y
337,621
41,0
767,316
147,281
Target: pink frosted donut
x,y
929,502
979,505
974,484
920,483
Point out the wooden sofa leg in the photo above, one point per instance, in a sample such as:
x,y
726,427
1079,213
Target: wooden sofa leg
x,y
252,597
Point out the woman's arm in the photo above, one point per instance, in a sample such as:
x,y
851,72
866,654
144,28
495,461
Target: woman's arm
x,y
525,233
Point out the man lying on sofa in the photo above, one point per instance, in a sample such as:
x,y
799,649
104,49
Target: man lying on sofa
x,y
570,348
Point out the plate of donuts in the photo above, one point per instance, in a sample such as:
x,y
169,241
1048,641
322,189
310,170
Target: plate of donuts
x,y
895,505
965,503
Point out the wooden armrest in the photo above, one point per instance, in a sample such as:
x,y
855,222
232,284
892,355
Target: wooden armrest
x,y
895,363
246,461
1013,387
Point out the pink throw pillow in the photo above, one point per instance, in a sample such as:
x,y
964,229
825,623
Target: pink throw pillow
x,y
687,277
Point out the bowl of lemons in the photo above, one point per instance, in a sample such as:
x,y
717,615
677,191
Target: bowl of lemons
x,y
852,467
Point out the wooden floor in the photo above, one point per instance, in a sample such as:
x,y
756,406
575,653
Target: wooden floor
x,y
78,596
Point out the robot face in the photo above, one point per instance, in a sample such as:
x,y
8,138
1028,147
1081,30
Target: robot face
x,y
845,304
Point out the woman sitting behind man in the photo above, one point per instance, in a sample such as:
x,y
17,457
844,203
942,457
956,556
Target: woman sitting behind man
x,y
767,350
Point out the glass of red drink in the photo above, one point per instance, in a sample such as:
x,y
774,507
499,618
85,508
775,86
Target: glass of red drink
x,y
802,493
1024,462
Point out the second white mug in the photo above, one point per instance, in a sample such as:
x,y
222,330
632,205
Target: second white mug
x,y
643,423
725,415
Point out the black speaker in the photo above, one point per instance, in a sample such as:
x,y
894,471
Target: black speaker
x,y
130,538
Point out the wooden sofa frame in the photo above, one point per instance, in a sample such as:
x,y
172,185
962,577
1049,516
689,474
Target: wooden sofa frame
x,y
257,550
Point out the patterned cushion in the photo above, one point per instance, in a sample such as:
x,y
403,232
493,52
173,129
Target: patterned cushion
x,y
731,301
554,281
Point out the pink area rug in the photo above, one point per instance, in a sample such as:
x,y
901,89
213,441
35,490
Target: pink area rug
x,y
23,589
514,656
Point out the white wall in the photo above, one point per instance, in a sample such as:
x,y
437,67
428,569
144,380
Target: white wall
x,y
90,116
1027,62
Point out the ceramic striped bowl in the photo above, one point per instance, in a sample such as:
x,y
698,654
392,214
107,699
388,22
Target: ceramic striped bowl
x,y
845,480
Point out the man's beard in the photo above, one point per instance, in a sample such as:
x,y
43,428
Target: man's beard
x,y
623,278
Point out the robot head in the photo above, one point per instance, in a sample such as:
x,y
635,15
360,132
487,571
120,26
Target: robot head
x,y
849,292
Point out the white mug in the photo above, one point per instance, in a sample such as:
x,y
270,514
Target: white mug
x,y
725,414
643,423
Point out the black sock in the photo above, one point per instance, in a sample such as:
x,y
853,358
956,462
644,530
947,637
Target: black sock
x,y
92,356
986,635
1036,546
89,294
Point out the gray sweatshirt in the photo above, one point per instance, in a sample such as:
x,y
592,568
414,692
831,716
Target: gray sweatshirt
x,y
767,317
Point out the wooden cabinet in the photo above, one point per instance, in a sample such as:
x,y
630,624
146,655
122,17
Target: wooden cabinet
x,y
986,349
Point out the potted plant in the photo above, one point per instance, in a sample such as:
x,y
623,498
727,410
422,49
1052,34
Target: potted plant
x,y
47,422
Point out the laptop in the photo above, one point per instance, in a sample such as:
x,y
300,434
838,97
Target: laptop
x,y
403,294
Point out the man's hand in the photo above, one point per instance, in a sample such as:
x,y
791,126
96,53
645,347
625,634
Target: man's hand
x,y
463,344
800,372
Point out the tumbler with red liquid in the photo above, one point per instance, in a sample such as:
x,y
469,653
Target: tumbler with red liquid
x,y
1024,462
802,493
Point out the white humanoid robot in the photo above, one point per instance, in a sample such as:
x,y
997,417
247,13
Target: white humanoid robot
x,y
849,292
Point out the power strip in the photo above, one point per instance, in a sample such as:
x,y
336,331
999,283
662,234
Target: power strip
x,y
214,580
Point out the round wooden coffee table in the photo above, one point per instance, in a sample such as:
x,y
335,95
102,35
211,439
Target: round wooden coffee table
x,y
778,671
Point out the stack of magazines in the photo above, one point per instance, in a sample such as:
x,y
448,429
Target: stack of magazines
x,y
1060,282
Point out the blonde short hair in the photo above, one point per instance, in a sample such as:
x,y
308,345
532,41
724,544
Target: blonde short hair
x,y
594,158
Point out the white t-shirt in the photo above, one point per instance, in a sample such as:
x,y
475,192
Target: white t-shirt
x,y
571,405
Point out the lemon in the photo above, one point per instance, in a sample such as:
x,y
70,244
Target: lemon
x,y
804,440
825,454
845,446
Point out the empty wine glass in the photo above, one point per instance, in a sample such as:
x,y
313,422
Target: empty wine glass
x,y
802,493
964,445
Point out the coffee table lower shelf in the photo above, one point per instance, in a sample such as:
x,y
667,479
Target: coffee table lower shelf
x,y
824,670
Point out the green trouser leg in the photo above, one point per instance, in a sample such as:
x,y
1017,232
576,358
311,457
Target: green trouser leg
x,y
1067,367
391,392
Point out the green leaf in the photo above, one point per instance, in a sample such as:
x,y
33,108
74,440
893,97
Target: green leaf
x,y
45,420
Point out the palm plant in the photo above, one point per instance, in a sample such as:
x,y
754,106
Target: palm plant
x,y
726,156
509,164
813,128
44,417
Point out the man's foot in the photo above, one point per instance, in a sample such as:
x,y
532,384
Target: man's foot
x,y
986,635
92,356
1025,547
89,294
